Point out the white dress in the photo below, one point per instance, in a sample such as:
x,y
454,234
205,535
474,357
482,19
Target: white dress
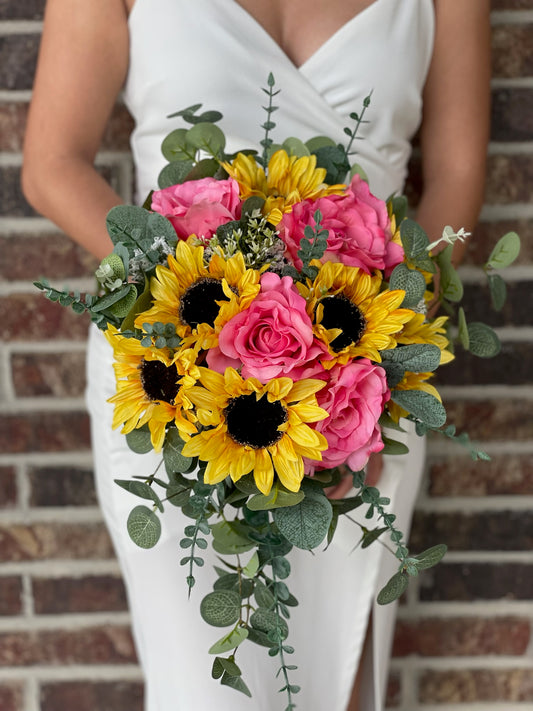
x,y
212,51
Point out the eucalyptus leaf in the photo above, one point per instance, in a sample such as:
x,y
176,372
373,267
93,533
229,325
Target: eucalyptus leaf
x,y
393,590
105,302
268,621
140,488
464,338
139,440
123,306
235,682
416,357
172,456
410,281
221,608
451,286
414,240
313,144
144,527
221,665
205,168
498,291
370,536
505,251
143,303
281,567
399,207
295,147
174,173
177,147
228,541
483,341
393,447
229,641
263,596
251,568
158,226
127,224
207,137
357,169
424,406
430,557
334,160
275,499
306,524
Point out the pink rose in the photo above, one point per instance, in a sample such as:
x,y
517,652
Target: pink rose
x,y
359,230
354,396
273,337
199,206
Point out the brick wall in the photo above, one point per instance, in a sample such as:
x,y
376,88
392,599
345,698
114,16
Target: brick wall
x,y
464,634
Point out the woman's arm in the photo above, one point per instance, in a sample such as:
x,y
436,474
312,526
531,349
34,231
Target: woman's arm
x,y
455,126
82,65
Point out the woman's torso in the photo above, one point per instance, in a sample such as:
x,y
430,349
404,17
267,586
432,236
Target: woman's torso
x,y
217,53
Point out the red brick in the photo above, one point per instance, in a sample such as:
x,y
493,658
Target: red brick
x,y
512,115
510,367
10,595
93,645
8,487
11,697
98,593
471,685
44,541
394,691
31,317
49,374
18,58
13,116
512,4
511,50
52,255
484,531
509,179
44,432
504,420
61,486
477,581
22,9
466,636
92,696
502,476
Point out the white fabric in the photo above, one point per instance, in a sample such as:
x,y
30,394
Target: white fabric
x,y
212,51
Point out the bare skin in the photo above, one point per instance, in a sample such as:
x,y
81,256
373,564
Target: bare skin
x,y
71,106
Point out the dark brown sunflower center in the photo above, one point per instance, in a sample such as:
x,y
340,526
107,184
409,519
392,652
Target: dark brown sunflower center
x,y
199,303
159,380
254,423
340,312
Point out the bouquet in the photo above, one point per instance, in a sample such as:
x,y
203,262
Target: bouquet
x,y
269,322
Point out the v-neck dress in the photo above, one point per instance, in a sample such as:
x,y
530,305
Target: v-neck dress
x,y
184,52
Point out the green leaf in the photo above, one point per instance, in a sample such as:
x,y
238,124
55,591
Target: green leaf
x,y
172,456
228,540
126,223
263,596
158,226
123,306
278,497
221,608
140,488
411,281
306,524
370,536
105,302
430,557
392,446
356,169
333,159
386,420
174,173
281,567
207,137
251,568
139,440
498,291
177,146
505,251
313,144
267,621
235,682
416,358
144,527
464,338
399,208
483,341
450,282
258,637
414,240
205,168
229,641
393,589
295,147
422,405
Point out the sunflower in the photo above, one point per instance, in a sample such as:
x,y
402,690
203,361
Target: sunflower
x,y
152,387
289,180
418,330
350,314
411,381
200,299
256,428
